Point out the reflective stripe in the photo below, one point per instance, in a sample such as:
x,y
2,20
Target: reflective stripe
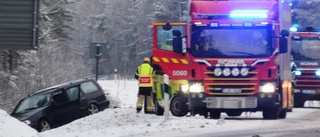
x,y
170,60
145,75
175,61
165,60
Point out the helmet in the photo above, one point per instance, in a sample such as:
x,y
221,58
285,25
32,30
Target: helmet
x,y
146,59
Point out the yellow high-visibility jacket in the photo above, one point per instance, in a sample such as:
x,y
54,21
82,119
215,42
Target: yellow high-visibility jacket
x,y
144,74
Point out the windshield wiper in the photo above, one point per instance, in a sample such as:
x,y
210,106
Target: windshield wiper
x,y
31,108
246,53
26,110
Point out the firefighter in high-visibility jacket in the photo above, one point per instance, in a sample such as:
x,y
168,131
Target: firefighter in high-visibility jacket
x,y
144,75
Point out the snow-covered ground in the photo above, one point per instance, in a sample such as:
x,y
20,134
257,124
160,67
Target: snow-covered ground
x,y
121,119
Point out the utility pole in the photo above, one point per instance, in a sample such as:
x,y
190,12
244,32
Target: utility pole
x,y
98,54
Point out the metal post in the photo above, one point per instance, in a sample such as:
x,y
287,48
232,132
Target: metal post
x,y
98,54
125,72
166,97
115,75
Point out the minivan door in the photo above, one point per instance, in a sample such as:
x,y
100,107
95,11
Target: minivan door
x,y
66,105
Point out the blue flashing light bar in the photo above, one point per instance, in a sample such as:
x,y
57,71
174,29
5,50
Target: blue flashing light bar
x,y
249,13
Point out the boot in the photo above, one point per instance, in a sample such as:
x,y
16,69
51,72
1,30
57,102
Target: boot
x,y
138,110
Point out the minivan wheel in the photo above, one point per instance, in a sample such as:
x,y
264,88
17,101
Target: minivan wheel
x,y
43,125
92,109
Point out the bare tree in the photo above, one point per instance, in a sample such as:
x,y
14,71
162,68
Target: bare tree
x,y
306,12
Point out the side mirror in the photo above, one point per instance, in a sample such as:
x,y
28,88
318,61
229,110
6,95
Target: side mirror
x,y
283,42
177,41
176,33
177,45
284,33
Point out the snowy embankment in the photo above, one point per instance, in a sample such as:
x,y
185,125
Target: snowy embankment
x,y
121,120
11,127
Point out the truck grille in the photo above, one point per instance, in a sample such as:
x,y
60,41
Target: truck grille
x,y
231,85
231,102
308,79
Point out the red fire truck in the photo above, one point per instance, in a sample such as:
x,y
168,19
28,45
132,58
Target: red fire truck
x,y
230,57
305,65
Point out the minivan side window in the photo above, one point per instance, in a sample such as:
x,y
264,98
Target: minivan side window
x,y
89,87
59,97
73,93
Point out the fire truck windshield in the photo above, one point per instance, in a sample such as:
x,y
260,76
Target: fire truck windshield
x,y
306,49
232,42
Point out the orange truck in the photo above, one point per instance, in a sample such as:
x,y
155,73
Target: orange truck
x,y
230,57
305,64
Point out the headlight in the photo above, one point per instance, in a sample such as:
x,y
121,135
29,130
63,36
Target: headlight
x,y
298,72
196,88
244,71
226,72
28,122
268,87
235,72
184,88
318,72
217,71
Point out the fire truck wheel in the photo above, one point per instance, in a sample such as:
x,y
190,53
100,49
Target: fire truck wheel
x,y
283,113
234,113
299,103
205,114
271,113
158,110
178,106
215,114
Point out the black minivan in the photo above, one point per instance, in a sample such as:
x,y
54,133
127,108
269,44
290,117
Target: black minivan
x,y
61,104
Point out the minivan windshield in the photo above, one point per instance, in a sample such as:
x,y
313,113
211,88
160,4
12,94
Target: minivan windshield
x,y
33,102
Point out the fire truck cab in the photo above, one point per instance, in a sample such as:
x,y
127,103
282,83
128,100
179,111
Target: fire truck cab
x,y
305,64
231,57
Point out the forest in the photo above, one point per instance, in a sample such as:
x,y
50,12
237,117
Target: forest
x,y
67,27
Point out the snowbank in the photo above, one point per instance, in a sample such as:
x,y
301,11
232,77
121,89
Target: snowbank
x,y
11,127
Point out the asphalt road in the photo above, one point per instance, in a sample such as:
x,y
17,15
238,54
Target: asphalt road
x,y
302,122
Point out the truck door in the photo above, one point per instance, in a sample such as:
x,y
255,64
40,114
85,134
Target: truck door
x,y
174,64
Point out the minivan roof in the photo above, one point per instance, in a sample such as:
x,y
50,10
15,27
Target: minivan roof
x,y
52,88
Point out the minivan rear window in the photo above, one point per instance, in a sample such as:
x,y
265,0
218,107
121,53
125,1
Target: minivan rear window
x,y
88,87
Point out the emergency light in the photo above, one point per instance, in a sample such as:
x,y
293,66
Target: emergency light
x,y
297,72
248,24
249,13
293,29
214,24
318,72
296,37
